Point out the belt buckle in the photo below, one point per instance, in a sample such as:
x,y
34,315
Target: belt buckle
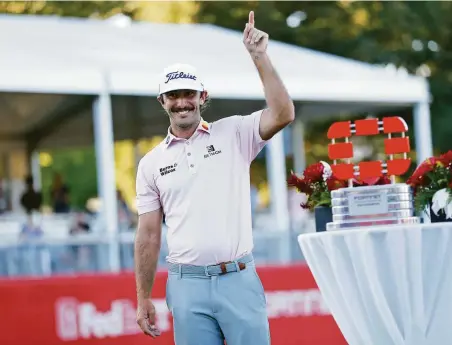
x,y
206,271
223,267
240,266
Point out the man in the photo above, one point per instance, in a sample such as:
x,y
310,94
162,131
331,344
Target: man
x,y
199,178
30,200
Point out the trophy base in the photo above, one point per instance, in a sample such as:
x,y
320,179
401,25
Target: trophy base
x,y
368,206
371,222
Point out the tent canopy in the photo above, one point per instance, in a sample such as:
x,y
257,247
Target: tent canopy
x,y
52,68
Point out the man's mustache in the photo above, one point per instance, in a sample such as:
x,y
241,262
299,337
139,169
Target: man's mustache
x,y
175,110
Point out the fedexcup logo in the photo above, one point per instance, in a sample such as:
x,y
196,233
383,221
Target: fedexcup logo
x,y
179,75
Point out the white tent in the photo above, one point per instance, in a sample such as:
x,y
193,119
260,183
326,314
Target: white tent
x,y
61,55
64,56
58,73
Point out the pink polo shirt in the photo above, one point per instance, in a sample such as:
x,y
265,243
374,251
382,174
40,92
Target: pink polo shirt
x,y
203,186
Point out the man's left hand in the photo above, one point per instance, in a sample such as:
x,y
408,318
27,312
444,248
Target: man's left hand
x,y
255,40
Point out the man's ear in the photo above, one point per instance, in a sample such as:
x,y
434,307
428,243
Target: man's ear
x,y
160,99
203,97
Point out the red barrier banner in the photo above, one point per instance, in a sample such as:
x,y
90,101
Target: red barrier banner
x,y
100,310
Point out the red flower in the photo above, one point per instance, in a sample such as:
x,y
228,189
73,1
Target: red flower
x,y
446,158
299,183
419,177
418,181
425,167
314,172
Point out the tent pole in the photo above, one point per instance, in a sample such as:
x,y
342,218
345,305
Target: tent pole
x,y
276,171
299,154
105,161
422,131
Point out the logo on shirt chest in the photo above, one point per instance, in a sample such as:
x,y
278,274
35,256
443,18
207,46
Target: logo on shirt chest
x,y
211,151
168,169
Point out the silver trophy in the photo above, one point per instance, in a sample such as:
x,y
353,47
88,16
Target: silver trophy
x,y
371,205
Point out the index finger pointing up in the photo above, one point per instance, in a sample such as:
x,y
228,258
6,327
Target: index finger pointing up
x,y
251,19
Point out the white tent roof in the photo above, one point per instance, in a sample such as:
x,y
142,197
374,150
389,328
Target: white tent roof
x,y
64,55
51,68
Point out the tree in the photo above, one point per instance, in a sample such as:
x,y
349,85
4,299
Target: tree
x,y
155,11
414,35
100,9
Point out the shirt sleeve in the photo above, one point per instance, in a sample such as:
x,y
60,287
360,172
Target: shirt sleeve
x,y
148,197
250,140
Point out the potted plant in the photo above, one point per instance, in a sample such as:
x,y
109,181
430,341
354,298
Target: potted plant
x,y
317,182
431,183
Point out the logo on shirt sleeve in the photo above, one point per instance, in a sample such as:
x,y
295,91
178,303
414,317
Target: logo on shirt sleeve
x,y
211,151
168,169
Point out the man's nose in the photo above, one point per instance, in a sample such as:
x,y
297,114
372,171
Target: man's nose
x,y
181,102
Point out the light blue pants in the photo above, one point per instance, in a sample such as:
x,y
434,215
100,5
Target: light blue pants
x,y
209,307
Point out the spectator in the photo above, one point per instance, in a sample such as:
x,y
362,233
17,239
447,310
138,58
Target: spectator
x,y
59,195
33,257
30,200
82,253
80,226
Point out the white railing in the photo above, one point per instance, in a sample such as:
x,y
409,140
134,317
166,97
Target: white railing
x,y
57,252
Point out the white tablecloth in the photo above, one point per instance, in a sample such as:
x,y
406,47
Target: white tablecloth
x,y
386,285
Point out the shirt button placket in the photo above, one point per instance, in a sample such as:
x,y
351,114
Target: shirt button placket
x,y
190,160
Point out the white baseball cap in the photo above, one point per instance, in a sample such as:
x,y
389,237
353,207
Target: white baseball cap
x,y
180,77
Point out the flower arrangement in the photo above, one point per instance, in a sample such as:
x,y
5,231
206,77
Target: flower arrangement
x,y
431,183
318,181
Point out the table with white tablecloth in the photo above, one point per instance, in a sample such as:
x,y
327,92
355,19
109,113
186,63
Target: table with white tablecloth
x,y
387,285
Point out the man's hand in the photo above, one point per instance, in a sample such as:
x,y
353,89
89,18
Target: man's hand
x,y
146,318
255,40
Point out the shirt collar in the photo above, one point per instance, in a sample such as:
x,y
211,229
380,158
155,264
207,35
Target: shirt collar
x,y
203,126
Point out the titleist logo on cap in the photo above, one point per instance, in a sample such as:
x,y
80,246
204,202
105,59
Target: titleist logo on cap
x,y
179,75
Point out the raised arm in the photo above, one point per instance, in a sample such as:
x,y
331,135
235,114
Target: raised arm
x,y
280,111
147,250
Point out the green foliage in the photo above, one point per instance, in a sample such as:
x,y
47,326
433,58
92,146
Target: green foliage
x,y
423,200
439,178
320,196
78,169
